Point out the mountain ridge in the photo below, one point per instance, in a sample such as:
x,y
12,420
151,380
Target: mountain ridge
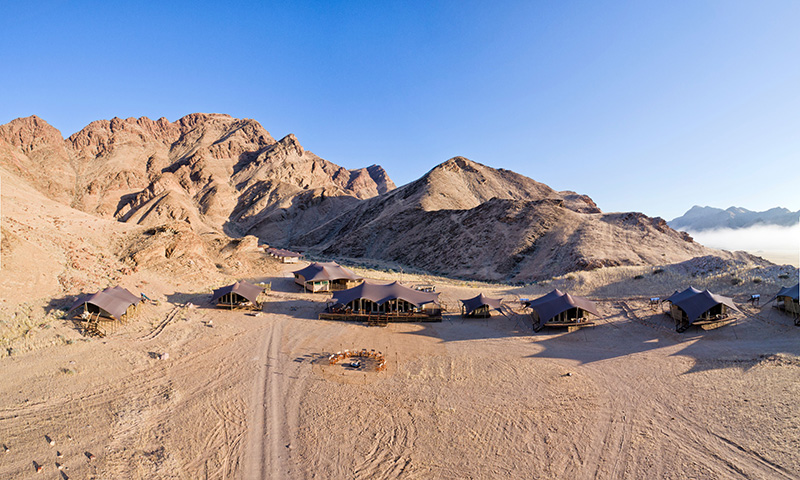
x,y
220,174
700,218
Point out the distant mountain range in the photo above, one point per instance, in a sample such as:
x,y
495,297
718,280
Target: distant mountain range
x,y
709,218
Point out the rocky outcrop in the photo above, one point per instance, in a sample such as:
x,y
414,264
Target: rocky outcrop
x,y
35,151
213,171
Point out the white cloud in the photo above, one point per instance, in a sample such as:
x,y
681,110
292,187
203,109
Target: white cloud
x,y
775,243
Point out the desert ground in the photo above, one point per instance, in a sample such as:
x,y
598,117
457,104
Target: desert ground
x,y
253,396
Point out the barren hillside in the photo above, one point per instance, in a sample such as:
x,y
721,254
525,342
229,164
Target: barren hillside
x,y
468,220
210,170
229,177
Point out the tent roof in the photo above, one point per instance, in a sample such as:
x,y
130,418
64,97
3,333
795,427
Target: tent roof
x,y
326,271
695,303
557,302
280,252
114,300
472,304
791,292
245,289
546,298
678,296
381,294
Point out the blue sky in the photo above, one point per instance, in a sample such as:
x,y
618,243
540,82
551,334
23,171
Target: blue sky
x,y
645,106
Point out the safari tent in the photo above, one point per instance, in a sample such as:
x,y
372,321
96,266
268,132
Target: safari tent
x,y
326,277
239,295
391,302
111,305
559,309
480,306
787,301
695,307
285,256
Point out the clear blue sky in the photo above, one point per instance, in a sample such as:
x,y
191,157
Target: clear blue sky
x,y
646,106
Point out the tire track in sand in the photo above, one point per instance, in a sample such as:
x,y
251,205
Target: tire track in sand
x,y
267,430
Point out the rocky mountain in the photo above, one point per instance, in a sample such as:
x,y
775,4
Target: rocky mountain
x,y
226,176
468,220
210,170
708,218
35,151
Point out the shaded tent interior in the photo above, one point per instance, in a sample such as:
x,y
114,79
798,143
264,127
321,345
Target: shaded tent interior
x,y
695,307
787,300
326,277
239,295
559,309
109,306
390,302
479,306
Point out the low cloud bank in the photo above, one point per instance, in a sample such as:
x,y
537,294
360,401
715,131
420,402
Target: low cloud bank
x,y
775,243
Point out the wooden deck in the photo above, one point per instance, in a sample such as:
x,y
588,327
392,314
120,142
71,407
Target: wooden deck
x,y
380,319
570,325
239,306
682,326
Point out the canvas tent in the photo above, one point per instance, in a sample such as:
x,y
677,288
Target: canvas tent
x,y
559,309
386,299
113,303
325,277
285,256
694,307
480,306
240,294
109,306
788,300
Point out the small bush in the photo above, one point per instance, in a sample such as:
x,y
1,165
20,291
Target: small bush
x,y
736,281
783,276
638,277
757,280
657,271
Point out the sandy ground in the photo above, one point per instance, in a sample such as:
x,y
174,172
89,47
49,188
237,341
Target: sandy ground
x,y
254,397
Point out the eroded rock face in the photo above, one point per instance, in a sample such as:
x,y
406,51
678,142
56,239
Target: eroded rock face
x,y
213,171
468,220
36,152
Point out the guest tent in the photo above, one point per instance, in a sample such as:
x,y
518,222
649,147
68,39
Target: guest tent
x,y
325,277
285,256
480,306
787,300
695,307
559,309
112,303
240,294
393,298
